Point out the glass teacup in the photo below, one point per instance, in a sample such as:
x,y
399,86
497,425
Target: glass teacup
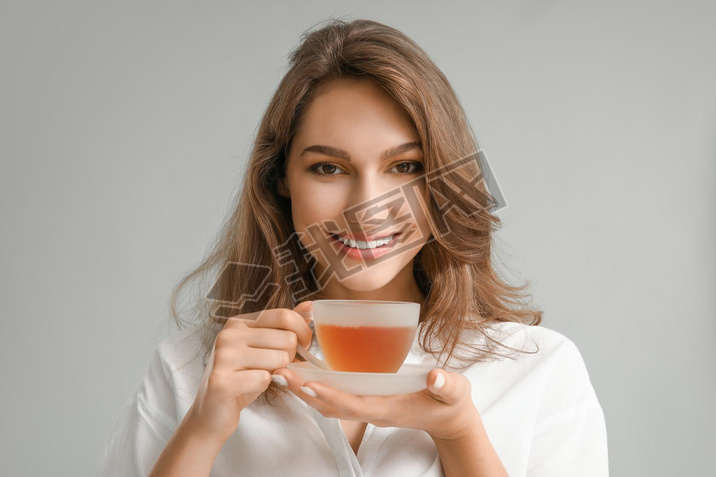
x,y
367,336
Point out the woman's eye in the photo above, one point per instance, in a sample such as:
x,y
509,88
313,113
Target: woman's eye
x,y
403,170
331,167
325,169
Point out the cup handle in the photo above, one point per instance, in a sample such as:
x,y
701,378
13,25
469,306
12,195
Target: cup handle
x,y
303,352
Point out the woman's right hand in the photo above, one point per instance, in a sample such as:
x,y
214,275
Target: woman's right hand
x,y
245,353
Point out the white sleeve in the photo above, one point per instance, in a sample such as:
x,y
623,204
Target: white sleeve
x,y
143,428
570,436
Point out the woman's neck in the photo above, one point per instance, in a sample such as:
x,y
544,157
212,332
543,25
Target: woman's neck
x,y
409,292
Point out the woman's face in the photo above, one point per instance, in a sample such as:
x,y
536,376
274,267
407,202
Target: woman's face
x,y
354,171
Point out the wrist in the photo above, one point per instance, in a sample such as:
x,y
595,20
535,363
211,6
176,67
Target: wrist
x,y
199,434
190,451
469,452
467,423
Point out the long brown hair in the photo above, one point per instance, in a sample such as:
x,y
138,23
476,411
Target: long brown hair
x,y
464,293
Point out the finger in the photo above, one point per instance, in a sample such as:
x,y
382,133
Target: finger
x,y
269,338
445,386
239,335
278,318
251,358
305,309
287,378
358,408
347,406
253,380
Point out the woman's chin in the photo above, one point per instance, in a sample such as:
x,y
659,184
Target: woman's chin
x,y
367,281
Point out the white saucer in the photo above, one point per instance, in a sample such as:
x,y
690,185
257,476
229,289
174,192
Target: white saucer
x,y
410,378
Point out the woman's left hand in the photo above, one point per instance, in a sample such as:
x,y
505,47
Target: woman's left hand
x,y
444,410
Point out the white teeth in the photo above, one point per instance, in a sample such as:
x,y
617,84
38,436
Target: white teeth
x,y
364,245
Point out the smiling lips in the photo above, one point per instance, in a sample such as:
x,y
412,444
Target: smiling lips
x,y
362,245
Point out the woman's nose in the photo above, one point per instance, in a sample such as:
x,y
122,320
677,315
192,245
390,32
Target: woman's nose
x,y
366,189
368,203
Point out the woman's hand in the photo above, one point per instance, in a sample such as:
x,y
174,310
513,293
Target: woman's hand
x,y
444,410
245,353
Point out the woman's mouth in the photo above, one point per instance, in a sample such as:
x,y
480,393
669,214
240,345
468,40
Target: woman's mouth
x,y
361,245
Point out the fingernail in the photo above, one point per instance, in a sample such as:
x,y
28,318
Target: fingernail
x,y
439,381
309,391
278,379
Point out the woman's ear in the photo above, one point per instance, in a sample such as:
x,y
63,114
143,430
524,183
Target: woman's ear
x,y
283,189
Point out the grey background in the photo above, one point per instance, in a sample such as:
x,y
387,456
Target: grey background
x,y
126,127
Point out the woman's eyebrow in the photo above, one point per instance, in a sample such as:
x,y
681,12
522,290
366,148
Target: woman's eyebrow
x,y
341,154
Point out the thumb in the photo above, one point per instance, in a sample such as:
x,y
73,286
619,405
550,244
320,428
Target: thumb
x,y
305,309
444,385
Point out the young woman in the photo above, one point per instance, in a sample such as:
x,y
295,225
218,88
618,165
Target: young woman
x,y
363,185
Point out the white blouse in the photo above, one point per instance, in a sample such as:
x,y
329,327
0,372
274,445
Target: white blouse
x,y
540,412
